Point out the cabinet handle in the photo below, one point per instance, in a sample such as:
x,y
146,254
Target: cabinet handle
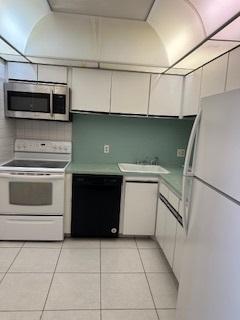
x,y
186,173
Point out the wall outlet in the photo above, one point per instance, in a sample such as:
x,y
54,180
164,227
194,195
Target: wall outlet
x,y
180,153
106,148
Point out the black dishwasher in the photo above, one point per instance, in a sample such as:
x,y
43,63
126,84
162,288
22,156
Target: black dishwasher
x,y
95,205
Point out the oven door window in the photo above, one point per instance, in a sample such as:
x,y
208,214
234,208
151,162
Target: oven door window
x,y
28,101
30,193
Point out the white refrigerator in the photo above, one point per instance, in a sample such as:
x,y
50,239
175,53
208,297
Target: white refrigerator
x,y
209,286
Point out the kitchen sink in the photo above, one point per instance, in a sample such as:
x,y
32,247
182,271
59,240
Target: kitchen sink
x,y
142,168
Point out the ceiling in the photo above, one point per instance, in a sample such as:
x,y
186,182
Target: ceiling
x,y
122,9
134,35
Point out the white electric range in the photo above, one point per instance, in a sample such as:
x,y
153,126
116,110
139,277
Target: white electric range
x,y
32,191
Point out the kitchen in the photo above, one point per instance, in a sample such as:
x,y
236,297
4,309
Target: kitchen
x,y
116,137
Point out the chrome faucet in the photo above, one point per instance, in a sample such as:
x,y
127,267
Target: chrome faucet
x,y
154,161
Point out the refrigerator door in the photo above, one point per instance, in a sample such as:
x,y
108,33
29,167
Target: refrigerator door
x,y
217,155
209,284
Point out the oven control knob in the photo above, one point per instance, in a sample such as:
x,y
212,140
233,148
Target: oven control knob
x,y
114,230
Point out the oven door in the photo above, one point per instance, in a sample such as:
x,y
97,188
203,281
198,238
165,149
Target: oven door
x,y
31,194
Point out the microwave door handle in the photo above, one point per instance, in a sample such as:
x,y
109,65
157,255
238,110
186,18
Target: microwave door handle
x,y
51,103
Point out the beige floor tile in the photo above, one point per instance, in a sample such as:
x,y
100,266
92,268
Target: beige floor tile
x,y
24,291
7,256
143,243
120,260
35,260
11,244
20,315
167,314
72,315
81,243
125,291
74,291
154,261
129,315
164,289
79,260
43,244
120,243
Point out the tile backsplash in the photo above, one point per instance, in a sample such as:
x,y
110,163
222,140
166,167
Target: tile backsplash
x,y
130,139
7,126
45,130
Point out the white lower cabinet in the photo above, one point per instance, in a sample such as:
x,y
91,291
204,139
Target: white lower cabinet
x,y
166,231
179,251
169,232
170,237
161,222
139,208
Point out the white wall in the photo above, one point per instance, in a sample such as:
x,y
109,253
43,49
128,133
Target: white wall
x,y
7,126
45,130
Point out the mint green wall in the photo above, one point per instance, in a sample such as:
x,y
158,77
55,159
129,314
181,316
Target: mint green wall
x,y
130,139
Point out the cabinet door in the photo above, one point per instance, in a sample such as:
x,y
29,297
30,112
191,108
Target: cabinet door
x,y
52,73
170,237
91,90
165,95
22,71
130,92
161,223
191,95
214,77
173,200
140,208
179,251
233,75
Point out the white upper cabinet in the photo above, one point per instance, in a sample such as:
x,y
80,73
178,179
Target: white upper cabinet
x,y
22,71
233,75
165,95
214,76
130,92
52,73
91,90
191,95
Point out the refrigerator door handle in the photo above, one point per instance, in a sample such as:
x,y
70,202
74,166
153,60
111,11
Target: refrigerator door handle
x,y
186,171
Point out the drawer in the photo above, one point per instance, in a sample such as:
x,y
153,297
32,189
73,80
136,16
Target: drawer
x,y
47,228
173,200
163,189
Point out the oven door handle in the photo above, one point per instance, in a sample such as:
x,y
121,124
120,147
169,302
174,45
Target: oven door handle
x,y
51,103
27,177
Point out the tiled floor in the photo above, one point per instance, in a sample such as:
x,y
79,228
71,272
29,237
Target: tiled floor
x,y
120,279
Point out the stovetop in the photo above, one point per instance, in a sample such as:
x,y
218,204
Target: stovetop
x,y
40,164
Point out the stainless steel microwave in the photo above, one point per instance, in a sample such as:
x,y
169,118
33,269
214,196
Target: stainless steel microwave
x,y
36,101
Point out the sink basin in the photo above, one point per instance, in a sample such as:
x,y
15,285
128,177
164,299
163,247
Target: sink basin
x,y
142,168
